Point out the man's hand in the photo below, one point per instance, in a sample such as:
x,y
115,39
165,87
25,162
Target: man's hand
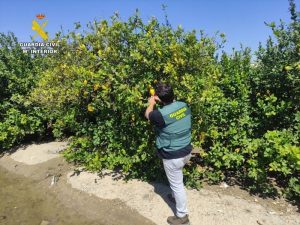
x,y
152,101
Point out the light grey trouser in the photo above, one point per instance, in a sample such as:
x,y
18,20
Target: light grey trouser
x,y
173,169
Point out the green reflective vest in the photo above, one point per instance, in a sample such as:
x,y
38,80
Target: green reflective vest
x,y
177,131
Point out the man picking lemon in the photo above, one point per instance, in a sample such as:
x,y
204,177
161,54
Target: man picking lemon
x,y
172,123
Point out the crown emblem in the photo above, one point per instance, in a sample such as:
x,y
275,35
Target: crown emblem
x,y
40,16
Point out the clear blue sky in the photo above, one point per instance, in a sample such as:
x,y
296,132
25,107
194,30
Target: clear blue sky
x,y
241,20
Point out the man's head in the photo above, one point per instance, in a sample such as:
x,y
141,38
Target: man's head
x,y
164,92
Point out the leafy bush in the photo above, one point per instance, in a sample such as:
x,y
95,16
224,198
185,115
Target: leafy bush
x,y
275,100
99,85
250,128
19,118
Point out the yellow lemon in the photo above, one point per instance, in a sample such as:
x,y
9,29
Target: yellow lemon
x,y
152,91
90,108
96,87
85,93
85,82
288,68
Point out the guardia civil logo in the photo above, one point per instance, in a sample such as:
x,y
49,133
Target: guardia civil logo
x,y
39,28
38,46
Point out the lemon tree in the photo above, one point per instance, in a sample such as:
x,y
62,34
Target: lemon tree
x,y
98,85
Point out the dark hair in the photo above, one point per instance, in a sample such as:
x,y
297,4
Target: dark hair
x,y
164,92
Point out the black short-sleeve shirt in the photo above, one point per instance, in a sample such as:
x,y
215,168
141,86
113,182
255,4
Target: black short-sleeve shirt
x,y
156,119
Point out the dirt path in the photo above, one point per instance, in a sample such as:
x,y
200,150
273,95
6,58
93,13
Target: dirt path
x,y
28,198
118,202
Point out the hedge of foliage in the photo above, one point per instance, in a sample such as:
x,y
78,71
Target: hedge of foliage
x,y
20,120
246,118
